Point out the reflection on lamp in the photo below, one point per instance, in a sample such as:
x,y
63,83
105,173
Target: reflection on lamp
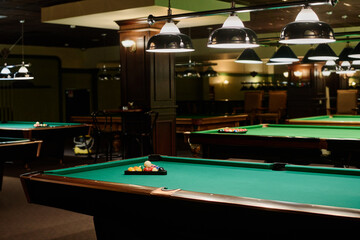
x,y
307,29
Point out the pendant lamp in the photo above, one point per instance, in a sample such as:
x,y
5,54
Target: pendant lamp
x,y
284,54
356,65
249,56
323,52
6,73
270,63
356,52
169,40
210,72
23,73
307,29
233,34
328,68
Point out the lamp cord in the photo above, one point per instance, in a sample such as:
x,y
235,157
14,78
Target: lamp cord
x,y
22,39
169,12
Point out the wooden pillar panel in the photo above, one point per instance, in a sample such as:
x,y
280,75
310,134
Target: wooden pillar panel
x,y
148,81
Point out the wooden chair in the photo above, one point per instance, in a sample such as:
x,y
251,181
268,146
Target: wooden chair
x,y
137,133
103,133
346,102
276,109
252,104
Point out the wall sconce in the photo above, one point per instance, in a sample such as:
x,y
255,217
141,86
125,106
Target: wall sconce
x,y
298,74
129,44
286,74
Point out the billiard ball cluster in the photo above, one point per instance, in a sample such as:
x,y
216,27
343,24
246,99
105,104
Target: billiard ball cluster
x,y
232,130
40,124
148,167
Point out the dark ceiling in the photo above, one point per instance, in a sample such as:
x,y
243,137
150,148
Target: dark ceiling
x,y
344,14
43,34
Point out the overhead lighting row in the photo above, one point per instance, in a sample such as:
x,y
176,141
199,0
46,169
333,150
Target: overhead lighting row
x,y
306,29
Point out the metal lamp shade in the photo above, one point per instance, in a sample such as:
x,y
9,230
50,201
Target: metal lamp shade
x,y
210,72
356,52
344,55
323,52
191,73
226,37
284,54
6,74
307,33
248,56
170,43
356,65
23,74
309,53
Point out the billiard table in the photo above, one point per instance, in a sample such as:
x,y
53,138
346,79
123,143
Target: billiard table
x,y
15,149
201,197
53,136
290,143
328,120
190,123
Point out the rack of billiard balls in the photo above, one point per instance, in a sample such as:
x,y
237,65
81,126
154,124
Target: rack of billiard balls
x,y
232,130
40,124
147,169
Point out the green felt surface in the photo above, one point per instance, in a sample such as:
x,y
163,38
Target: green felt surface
x,y
311,185
29,125
308,131
334,118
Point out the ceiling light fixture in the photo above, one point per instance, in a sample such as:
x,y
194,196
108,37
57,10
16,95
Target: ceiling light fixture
x,y
356,52
233,34
23,73
344,68
6,73
328,68
284,54
307,29
210,72
169,40
270,63
356,65
323,52
249,56
344,55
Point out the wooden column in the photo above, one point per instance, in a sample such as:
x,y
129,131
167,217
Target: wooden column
x,y
148,81
306,93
